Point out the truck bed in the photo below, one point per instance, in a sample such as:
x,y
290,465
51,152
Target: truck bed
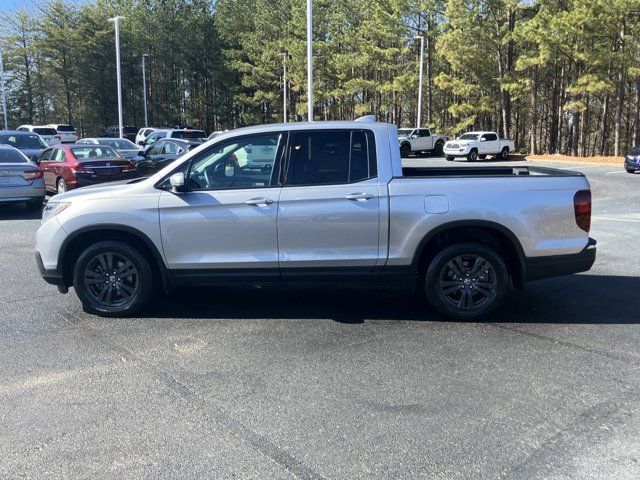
x,y
488,171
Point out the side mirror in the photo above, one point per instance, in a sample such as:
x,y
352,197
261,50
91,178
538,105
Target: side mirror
x,y
483,139
177,183
36,160
414,136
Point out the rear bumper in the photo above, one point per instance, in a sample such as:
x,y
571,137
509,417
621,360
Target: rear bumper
x,y
51,276
85,180
538,268
27,193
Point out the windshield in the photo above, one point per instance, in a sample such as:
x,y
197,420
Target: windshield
x,y
66,128
45,131
129,129
119,143
93,153
24,142
188,134
405,132
9,155
469,136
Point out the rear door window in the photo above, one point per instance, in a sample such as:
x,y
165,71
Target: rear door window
x,y
331,157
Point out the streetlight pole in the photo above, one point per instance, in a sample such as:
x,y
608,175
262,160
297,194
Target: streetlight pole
x,y
116,21
284,85
420,81
144,90
309,61
4,100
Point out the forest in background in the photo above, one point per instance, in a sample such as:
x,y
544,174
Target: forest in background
x,y
556,76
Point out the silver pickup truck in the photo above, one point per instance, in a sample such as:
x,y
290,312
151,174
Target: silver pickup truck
x,y
333,204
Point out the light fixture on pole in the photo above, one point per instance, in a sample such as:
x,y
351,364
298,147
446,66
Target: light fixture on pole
x,y
284,85
4,99
116,21
419,122
144,90
309,61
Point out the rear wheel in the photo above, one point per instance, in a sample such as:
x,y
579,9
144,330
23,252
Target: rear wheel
x,y
61,186
467,281
405,150
112,279
437,151
472,156
504,154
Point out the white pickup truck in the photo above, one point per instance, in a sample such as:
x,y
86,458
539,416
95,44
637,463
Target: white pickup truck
x,y
332,203
478,145
418,140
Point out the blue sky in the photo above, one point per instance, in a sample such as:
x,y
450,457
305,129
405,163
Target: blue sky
x,y
8,5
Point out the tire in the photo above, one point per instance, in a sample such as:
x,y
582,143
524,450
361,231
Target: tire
x,y
453,290
61,186
450,158
405,150
482,157
472,156
630,170
111,299
438,150
504,154
34,206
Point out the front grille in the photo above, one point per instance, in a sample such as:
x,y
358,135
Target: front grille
x,y
453,145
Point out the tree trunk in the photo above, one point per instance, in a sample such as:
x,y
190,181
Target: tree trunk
x,y
533,111
619,97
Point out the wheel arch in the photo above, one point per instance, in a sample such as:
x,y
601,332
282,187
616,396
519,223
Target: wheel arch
x,y
76,242
492,234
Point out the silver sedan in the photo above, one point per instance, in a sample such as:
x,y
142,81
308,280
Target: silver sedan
x,y
21,180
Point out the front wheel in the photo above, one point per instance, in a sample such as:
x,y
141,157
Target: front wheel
x,y
112,279
405,150
467,281
450,158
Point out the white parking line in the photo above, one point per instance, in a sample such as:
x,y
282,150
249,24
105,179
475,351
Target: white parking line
x,y
613,219
615,173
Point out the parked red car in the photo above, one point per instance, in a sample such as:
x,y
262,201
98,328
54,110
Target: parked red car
x,y
71,166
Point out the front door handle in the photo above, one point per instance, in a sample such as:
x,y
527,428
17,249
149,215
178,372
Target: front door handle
x,y
259,201
359,196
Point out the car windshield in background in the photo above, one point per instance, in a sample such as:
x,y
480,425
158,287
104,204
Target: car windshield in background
x,y
45,131
469,136
189,134
66,128
404,131
24,142
118,143
129,130
94,153
9,155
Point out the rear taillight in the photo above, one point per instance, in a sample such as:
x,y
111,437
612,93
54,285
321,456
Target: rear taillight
x,y
129,167
582,209
58,136
31,175
81,169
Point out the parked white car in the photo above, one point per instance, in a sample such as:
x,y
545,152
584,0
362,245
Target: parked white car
x,y
49,134
143,133
478,145
418,140
67,133
333,204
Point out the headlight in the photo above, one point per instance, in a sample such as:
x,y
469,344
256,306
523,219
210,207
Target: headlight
x,y
51,209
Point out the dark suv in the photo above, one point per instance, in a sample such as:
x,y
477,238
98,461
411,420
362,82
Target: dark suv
x,y
632,160
113,131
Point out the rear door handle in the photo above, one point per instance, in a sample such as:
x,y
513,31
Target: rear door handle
x,y
259,201
359,196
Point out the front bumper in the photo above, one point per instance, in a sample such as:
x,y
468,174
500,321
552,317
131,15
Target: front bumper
x,y
632,163
538,268
52,276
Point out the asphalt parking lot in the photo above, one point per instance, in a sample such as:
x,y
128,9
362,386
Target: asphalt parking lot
x,y
272,383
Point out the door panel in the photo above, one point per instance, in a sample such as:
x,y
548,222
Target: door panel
x,y
320,227
218,229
